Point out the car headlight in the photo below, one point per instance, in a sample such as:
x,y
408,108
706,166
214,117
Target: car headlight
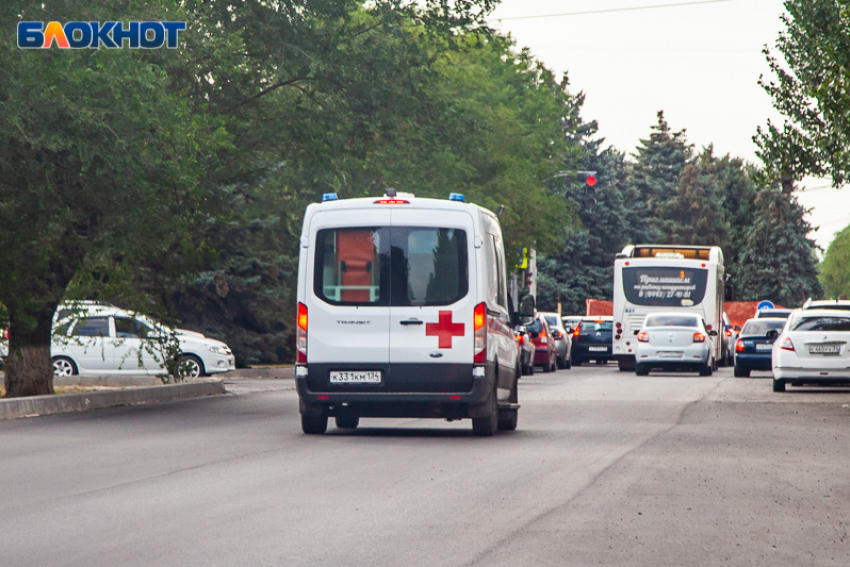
x,y
219,349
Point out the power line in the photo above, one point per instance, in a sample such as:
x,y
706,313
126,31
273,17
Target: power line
x,y
612,10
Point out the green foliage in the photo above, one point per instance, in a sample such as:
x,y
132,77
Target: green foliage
x,y
103,165
811,91
778,260
659,162
835,268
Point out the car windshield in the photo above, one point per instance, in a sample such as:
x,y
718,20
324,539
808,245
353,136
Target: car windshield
x,y
535,326
822,323
762,326
591,327
671,321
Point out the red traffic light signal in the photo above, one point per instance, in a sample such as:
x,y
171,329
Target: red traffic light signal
x,y
591,181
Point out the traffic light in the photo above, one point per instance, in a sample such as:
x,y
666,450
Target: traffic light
x,y
528,279
589,188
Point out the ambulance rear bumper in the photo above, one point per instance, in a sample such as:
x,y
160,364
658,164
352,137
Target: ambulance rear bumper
x,y
425,383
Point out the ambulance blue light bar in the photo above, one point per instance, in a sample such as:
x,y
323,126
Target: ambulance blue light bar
x,y
457,197
330,197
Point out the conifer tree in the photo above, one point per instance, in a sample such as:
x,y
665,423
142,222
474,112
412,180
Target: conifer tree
x,y
778,260
660,160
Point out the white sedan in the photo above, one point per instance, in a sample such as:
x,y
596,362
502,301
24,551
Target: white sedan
x,y
674,341
812,349
109,340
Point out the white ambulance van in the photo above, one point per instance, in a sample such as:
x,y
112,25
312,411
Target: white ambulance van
x,y
403,312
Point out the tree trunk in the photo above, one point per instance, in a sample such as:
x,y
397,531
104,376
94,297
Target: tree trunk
x,y
29,371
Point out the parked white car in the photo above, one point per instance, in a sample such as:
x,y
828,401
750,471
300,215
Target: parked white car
x,y
102,339
674,341
812,349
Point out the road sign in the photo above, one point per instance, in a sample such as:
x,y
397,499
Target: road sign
x,y
765,304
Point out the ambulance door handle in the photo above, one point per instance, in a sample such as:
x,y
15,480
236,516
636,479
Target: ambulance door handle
x,y
412,322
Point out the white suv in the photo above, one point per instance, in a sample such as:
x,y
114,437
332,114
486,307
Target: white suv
x,y
103,339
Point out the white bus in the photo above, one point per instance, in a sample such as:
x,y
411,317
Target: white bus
x,y
654,277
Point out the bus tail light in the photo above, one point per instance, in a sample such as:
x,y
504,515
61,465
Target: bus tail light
x,y
479,327
301,335
643,337
786,344
699,338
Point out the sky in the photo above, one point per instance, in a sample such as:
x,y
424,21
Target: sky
x,y
697,60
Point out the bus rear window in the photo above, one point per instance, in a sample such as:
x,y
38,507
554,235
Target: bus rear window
x,y
664,286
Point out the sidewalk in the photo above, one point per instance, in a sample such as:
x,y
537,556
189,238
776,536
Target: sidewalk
x,y
129,390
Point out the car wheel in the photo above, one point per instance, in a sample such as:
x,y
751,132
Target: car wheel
x,y
706,370
347,421
778,385
190,366
64,366
741,372
509,421
568,362
314,425
487,426
531,368
577,361
641,370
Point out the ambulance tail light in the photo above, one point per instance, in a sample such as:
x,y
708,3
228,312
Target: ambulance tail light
x,y
301,335
479,326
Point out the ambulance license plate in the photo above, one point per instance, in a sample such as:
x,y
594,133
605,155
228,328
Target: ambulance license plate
x,y
356,377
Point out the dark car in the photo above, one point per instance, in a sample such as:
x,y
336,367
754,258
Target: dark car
x,y
544,343
592,340
753,347
774,313
526,350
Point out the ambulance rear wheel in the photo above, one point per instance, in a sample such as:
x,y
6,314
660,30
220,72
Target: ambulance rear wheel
x,y
347,421
313,425
487,426
508,420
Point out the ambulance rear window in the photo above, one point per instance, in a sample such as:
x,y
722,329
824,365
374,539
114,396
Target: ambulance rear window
x,y
350,264
400,266
429,266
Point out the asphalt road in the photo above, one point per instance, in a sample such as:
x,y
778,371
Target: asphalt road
x,y
605,469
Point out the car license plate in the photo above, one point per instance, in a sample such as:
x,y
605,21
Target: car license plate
x,y
824,349
356,377
598,349
669,354
764,347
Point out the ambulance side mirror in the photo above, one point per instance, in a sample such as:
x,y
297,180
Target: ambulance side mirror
x,y
526,306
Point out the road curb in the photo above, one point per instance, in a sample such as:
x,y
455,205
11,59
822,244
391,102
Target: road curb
x,y
61,403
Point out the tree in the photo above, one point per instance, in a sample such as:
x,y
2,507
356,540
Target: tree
x,y
835,268
778,260
101,165
811,93
659,162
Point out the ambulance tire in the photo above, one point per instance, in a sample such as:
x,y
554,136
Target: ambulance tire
x,y
347,421
509,421
314,425
487,426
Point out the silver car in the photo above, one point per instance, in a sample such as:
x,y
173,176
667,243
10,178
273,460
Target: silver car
x,y
674,341
563,340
